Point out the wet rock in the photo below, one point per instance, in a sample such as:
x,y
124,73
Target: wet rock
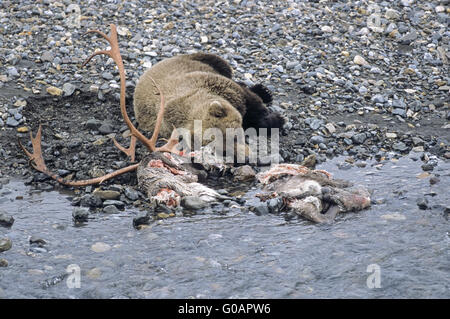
x,y
422,203
274,205
344,166
110,209
244,173
89,200
6,220
193,202
3,262
106,194
434,180
5,244
80,214
117,203
131,193
39,242
394,216
100,247
141,219
428,166
261,210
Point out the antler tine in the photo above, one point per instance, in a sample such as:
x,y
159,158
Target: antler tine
x,y
173,140
38,163
171,144
130,151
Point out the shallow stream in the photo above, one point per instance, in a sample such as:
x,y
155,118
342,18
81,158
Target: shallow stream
x,y
238,255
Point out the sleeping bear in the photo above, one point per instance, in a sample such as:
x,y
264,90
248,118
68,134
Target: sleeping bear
x,y
199,87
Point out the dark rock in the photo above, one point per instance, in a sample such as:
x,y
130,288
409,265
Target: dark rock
x,y
141,219
89,200
6,220
3,262
308,89
261,210
93,124
37,241
434,180
428,166
80,214
106,128
131,194
422,203
117,203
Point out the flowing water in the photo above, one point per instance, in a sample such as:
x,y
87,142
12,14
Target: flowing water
x,y
393,249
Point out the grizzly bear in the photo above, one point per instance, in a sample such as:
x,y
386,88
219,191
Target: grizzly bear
x,y
199,87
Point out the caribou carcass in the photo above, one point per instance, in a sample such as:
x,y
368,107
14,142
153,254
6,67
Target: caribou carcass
x,y
313,194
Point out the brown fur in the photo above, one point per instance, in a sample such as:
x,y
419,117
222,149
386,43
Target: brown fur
x,y
191,90
198,87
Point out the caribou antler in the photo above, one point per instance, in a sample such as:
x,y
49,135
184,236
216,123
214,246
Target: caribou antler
x,y
37,161
114,53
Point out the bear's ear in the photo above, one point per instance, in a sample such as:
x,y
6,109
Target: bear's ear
x,y
217,110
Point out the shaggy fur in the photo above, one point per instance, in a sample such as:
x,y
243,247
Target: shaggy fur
x,y
199,87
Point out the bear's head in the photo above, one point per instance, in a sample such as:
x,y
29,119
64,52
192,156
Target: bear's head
x,y
212,118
